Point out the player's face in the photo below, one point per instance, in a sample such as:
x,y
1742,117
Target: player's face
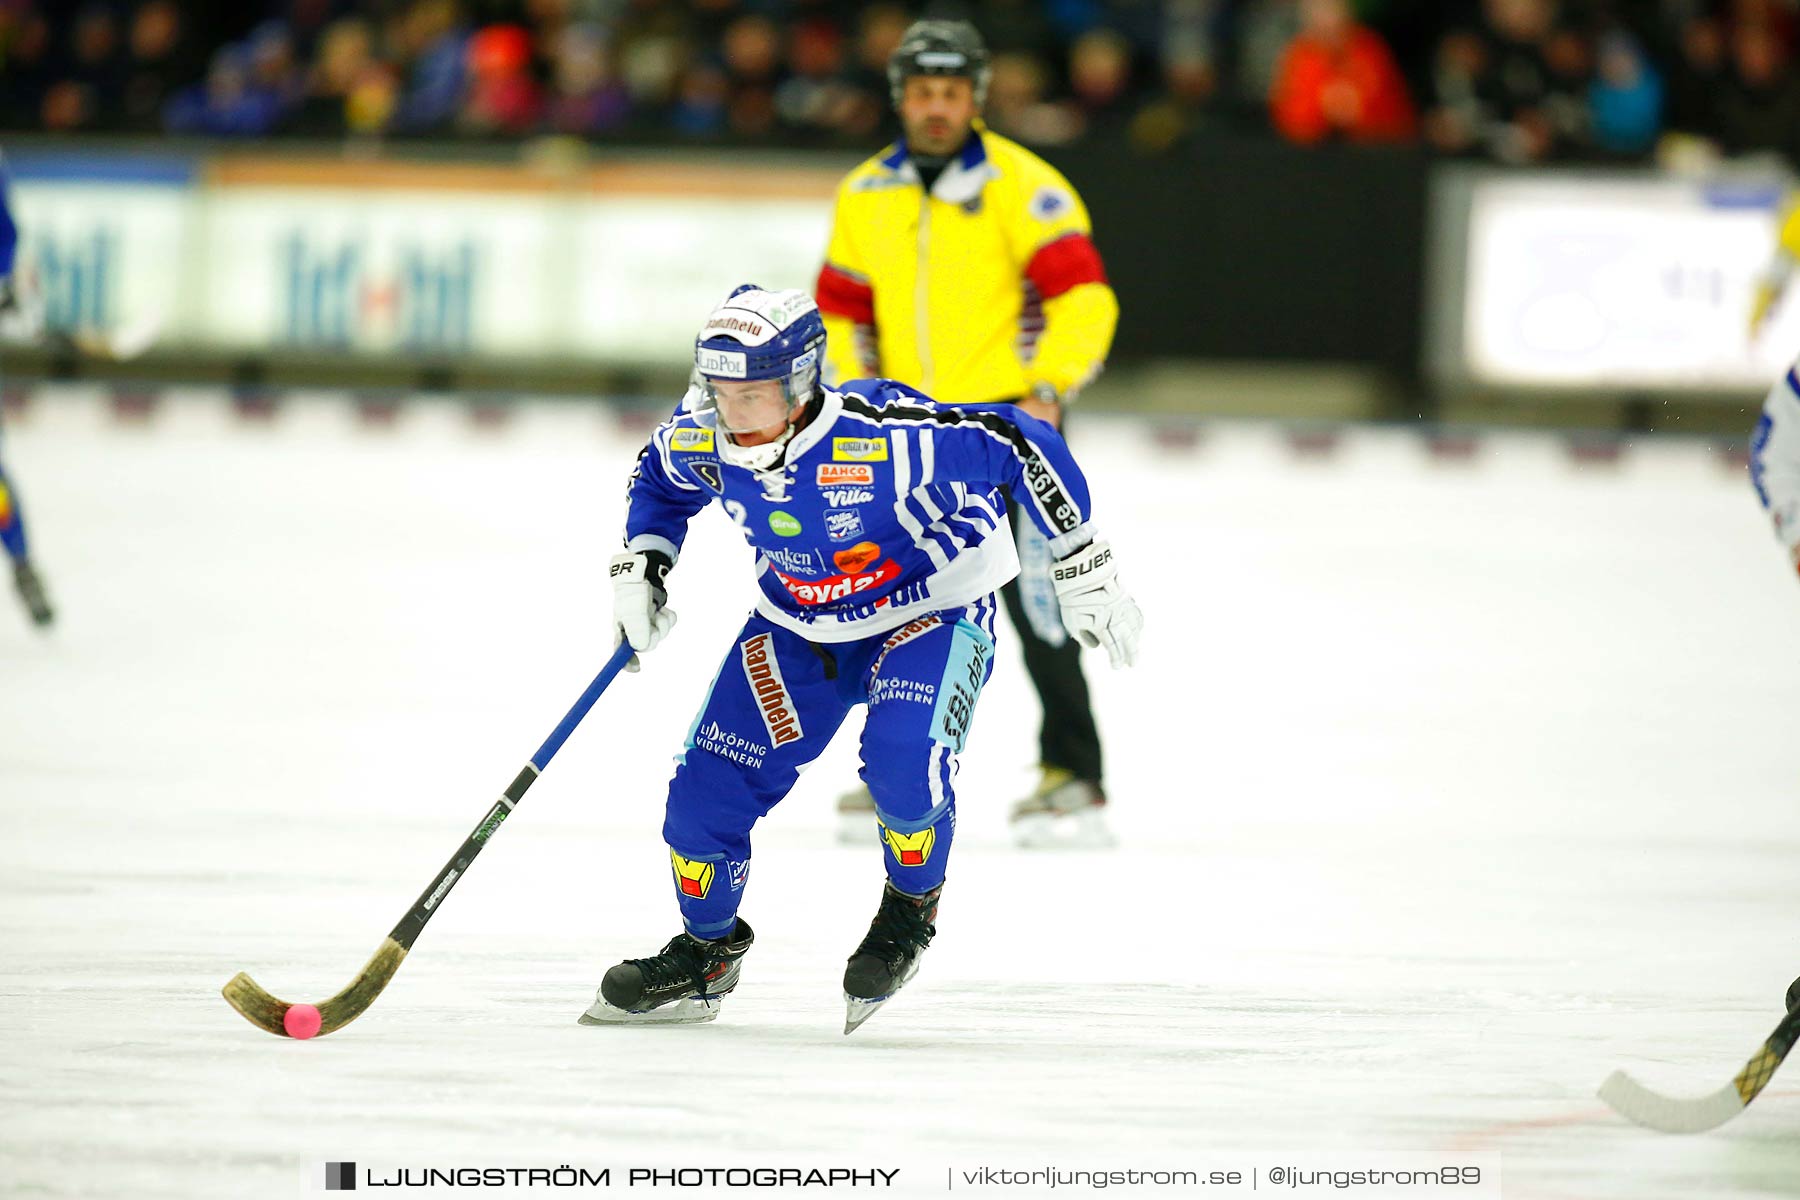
x,y
937,111
752,411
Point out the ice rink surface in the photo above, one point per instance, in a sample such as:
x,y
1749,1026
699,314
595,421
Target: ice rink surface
x,y
1443,789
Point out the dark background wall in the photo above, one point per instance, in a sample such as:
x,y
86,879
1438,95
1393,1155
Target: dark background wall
x,y
1251,249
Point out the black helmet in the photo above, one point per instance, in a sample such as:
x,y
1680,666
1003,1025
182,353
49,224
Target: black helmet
x,y
936,47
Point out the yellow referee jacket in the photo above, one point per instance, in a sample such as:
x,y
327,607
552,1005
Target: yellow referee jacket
x,y
974,293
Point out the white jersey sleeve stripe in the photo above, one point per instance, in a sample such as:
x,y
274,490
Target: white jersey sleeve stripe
x,y
903,489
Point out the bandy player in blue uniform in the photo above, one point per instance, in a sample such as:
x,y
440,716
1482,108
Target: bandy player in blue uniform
x,y
15,322
881,534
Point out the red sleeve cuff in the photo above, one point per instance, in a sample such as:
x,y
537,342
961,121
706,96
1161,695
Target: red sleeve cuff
x,y
1065,263
841,294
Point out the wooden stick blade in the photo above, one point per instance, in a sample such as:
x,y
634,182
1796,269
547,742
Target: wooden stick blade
x,y
257,1006
1668,1114
268,1013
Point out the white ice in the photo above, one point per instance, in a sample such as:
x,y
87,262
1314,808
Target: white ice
x,y
1443,792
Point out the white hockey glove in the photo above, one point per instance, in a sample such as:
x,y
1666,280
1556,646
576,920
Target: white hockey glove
x,y
639,613
1095,608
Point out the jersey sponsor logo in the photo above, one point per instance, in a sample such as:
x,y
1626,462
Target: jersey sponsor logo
x,y
856,559
841,497
900,637
770,690
859,450
728,745
709,475
691,878
838,587
1048,201
784,523
795,560
902,689
740,873
964,674
691,441
729,363
842,524
910,593
910,849
831,474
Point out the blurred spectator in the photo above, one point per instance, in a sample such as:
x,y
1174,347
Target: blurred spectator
x,y
345,61
273,72
811,96
26,72
1190,83
879,29
1018,106
752,54
1626,97
160,62
1261,33
1514,88
501,95
1759,107
1338,80
433,49
97,62
1512,80
656,46
1698,76
586,95
1100,76
228,103
700,108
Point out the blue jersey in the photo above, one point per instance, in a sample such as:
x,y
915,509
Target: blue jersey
x,y
888,506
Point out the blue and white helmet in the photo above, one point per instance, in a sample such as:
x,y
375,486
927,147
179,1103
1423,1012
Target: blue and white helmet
x,y
759,334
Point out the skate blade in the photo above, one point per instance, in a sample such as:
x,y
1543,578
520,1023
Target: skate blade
x,y
858,1010
1082,830
694,1010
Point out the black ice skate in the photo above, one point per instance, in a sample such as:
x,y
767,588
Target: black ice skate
x,y
31,592
889,956
685,984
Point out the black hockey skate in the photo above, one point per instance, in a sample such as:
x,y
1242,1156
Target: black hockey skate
x,y
685,984
889,956
31,592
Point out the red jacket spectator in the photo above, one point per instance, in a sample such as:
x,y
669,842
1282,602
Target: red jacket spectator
x,y
1338,79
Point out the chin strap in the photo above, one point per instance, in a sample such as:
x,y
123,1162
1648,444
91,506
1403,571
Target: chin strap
x,y
765,457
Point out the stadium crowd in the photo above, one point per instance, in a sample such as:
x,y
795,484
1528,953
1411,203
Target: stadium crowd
x,y
1510,80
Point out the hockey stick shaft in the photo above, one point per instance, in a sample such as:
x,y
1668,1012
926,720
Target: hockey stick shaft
x,y
266,1012
413,923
